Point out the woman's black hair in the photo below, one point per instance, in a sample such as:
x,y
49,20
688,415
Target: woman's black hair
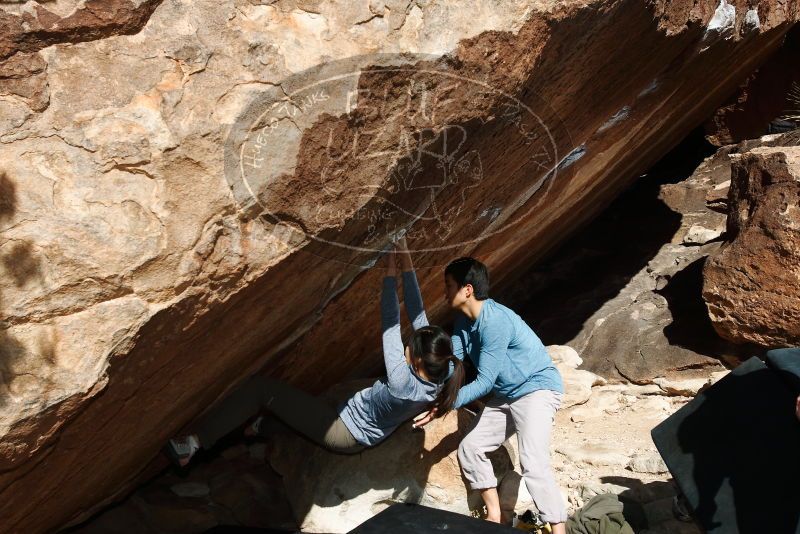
x,y
432,346
468,270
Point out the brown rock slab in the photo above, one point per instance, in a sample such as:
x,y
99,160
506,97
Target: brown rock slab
x,y
752,284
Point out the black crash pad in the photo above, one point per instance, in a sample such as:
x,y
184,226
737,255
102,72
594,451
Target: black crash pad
x,y
734,451
235,529
418,519
786,362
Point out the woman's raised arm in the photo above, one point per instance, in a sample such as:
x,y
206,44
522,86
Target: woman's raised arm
x,y
411,293
394,357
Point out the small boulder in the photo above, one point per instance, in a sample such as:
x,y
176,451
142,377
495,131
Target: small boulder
x,y
649,462
578,383
687,387
596,454
700,235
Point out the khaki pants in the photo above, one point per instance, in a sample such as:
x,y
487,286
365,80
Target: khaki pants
x,y
304,413
531,417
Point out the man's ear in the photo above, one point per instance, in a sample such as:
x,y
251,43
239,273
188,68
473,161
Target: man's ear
x,y
469,290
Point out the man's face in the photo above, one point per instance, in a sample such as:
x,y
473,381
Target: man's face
x,y
453,295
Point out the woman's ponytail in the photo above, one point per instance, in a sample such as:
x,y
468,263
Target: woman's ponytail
x,y
431,346
447,396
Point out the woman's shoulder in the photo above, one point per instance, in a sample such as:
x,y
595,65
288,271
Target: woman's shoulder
x,y
422,389
420,392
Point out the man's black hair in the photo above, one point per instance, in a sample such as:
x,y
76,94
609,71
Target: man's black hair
x,y
470,271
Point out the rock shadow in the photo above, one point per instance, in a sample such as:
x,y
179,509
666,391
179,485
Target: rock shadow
x,y
691,326
406,475
408,469
21,265
562,292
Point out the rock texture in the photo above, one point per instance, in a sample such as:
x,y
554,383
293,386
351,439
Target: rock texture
x,y
752,285
588,462
29,26
762,98
139,284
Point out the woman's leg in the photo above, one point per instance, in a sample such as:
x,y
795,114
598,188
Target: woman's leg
x,y
533,416
490,430
306,414
339,439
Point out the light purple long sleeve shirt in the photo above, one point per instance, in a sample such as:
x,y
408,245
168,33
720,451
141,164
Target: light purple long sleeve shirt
x,y
374,413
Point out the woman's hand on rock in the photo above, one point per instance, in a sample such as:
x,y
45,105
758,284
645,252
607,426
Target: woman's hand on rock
x,y
424,418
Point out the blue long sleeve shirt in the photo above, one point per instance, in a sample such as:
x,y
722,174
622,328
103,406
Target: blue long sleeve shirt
x,y
510,358
374,413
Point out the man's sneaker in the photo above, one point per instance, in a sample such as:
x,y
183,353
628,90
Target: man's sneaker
x,y
180,450
531,521
479,513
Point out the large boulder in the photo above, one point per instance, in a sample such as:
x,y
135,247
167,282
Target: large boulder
x,y
578,383
752,284
155,253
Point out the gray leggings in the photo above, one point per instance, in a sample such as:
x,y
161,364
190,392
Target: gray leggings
x,y
306,414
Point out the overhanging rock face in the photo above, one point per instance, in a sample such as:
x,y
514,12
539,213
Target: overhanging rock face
x,y
186,205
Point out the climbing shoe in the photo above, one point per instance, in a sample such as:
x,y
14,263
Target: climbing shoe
x,y
479,513
255,427
180,450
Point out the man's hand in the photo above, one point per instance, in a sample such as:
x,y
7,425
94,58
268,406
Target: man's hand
x,y
424,418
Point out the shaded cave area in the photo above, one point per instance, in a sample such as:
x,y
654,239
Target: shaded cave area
x,y
626,289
